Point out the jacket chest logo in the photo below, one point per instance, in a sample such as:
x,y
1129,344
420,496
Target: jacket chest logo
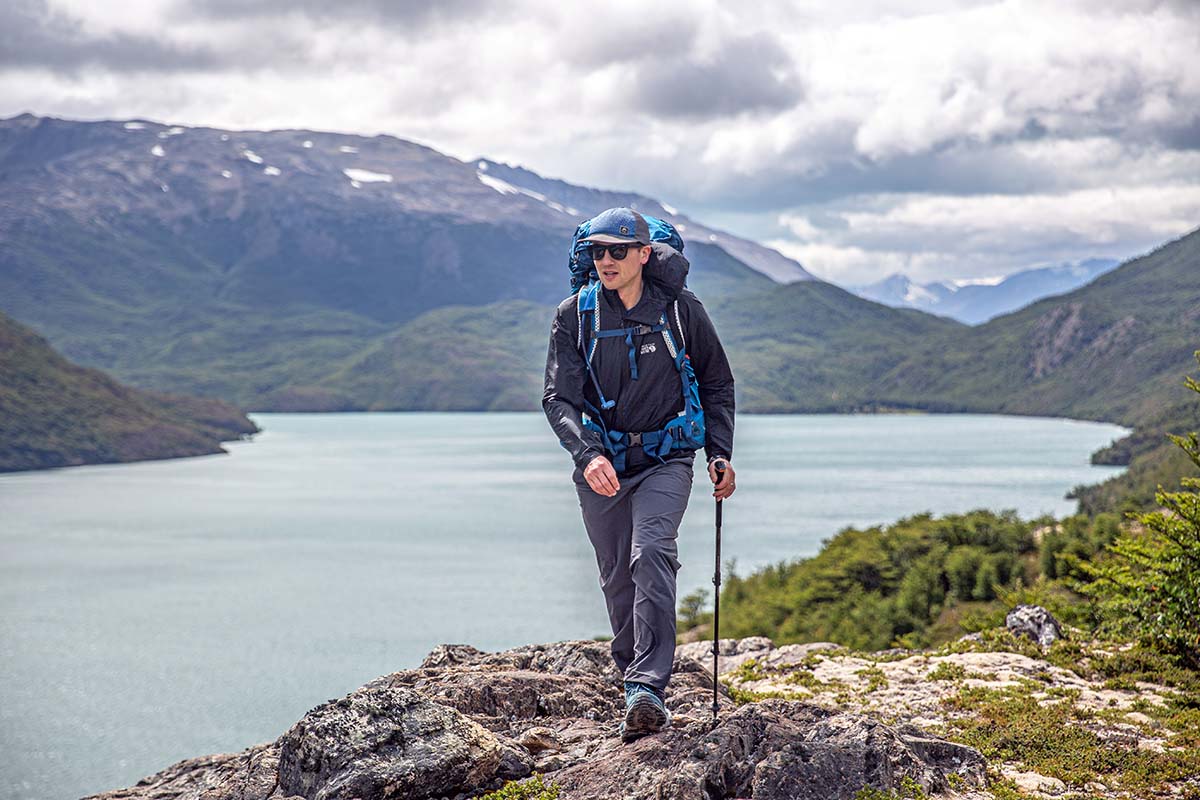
x,y
647,348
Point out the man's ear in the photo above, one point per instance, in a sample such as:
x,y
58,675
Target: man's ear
x,y
646,249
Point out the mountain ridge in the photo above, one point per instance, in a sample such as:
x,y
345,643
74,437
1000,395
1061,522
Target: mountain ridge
x,y
767,261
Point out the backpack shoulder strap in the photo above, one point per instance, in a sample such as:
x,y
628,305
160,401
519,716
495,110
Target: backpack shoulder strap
x,y
588,319
673,329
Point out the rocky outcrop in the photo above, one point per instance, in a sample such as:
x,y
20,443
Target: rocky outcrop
x,y
953,690
1035,622
466,721
1055,337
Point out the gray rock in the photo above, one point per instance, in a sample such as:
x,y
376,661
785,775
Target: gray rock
x,y
702,650
466,722
1035,622
537,740
445,655
385,742
249,775
771,750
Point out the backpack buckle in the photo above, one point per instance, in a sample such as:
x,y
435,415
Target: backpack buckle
x,y
635,440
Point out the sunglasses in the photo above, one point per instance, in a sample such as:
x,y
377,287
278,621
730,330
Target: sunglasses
x,y
617,251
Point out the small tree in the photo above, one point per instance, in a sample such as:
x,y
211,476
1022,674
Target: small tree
x,y
1150,587
691,610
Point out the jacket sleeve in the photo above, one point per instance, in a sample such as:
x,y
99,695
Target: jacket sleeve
x,y
562,399
716,381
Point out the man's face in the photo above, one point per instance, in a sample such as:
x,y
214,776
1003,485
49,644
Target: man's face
x,y
621,274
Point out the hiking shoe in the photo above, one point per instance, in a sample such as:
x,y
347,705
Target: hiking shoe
x,y
645,712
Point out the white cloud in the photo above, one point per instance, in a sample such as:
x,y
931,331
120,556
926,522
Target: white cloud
x,y
1000,103
934,237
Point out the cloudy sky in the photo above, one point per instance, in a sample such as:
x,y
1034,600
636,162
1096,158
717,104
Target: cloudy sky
x,y
948,139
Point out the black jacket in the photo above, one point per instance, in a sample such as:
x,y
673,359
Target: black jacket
x,y
651,401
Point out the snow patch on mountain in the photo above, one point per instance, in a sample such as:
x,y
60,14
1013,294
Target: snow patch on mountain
x,y
366,176
504,187
989,281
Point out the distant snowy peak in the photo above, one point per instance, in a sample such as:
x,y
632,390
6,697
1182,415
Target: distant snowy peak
x,y
582,202
898,289
976,300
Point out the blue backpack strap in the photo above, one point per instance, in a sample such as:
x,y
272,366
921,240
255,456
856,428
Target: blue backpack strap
x,y
586,305
688,430
629,333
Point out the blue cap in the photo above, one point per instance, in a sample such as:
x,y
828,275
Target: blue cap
x,y
618,226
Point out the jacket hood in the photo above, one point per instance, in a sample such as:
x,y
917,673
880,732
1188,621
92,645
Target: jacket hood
x,y
667,268
664,276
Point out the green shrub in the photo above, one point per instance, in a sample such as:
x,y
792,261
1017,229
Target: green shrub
x,y
961,567
908,789
947,671
528,789
1149,587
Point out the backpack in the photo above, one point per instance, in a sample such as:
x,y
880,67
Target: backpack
x,y
687,430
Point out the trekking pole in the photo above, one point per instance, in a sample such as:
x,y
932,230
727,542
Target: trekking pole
x,y
720,470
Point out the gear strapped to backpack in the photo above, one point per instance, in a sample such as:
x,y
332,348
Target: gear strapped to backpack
x,y
686,431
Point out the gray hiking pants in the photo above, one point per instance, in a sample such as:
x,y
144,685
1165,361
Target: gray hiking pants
x,y
634,536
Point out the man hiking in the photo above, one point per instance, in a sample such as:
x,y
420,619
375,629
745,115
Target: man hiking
x,y
636,381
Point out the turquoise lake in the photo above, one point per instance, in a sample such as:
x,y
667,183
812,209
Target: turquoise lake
x,y
163,610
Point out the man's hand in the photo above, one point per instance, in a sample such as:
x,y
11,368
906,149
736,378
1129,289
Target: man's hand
x,y
601,476
726,486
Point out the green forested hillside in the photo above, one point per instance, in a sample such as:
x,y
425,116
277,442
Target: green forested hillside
x,y
54,413
869,587
459,358
492,357
1114,349
814,347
